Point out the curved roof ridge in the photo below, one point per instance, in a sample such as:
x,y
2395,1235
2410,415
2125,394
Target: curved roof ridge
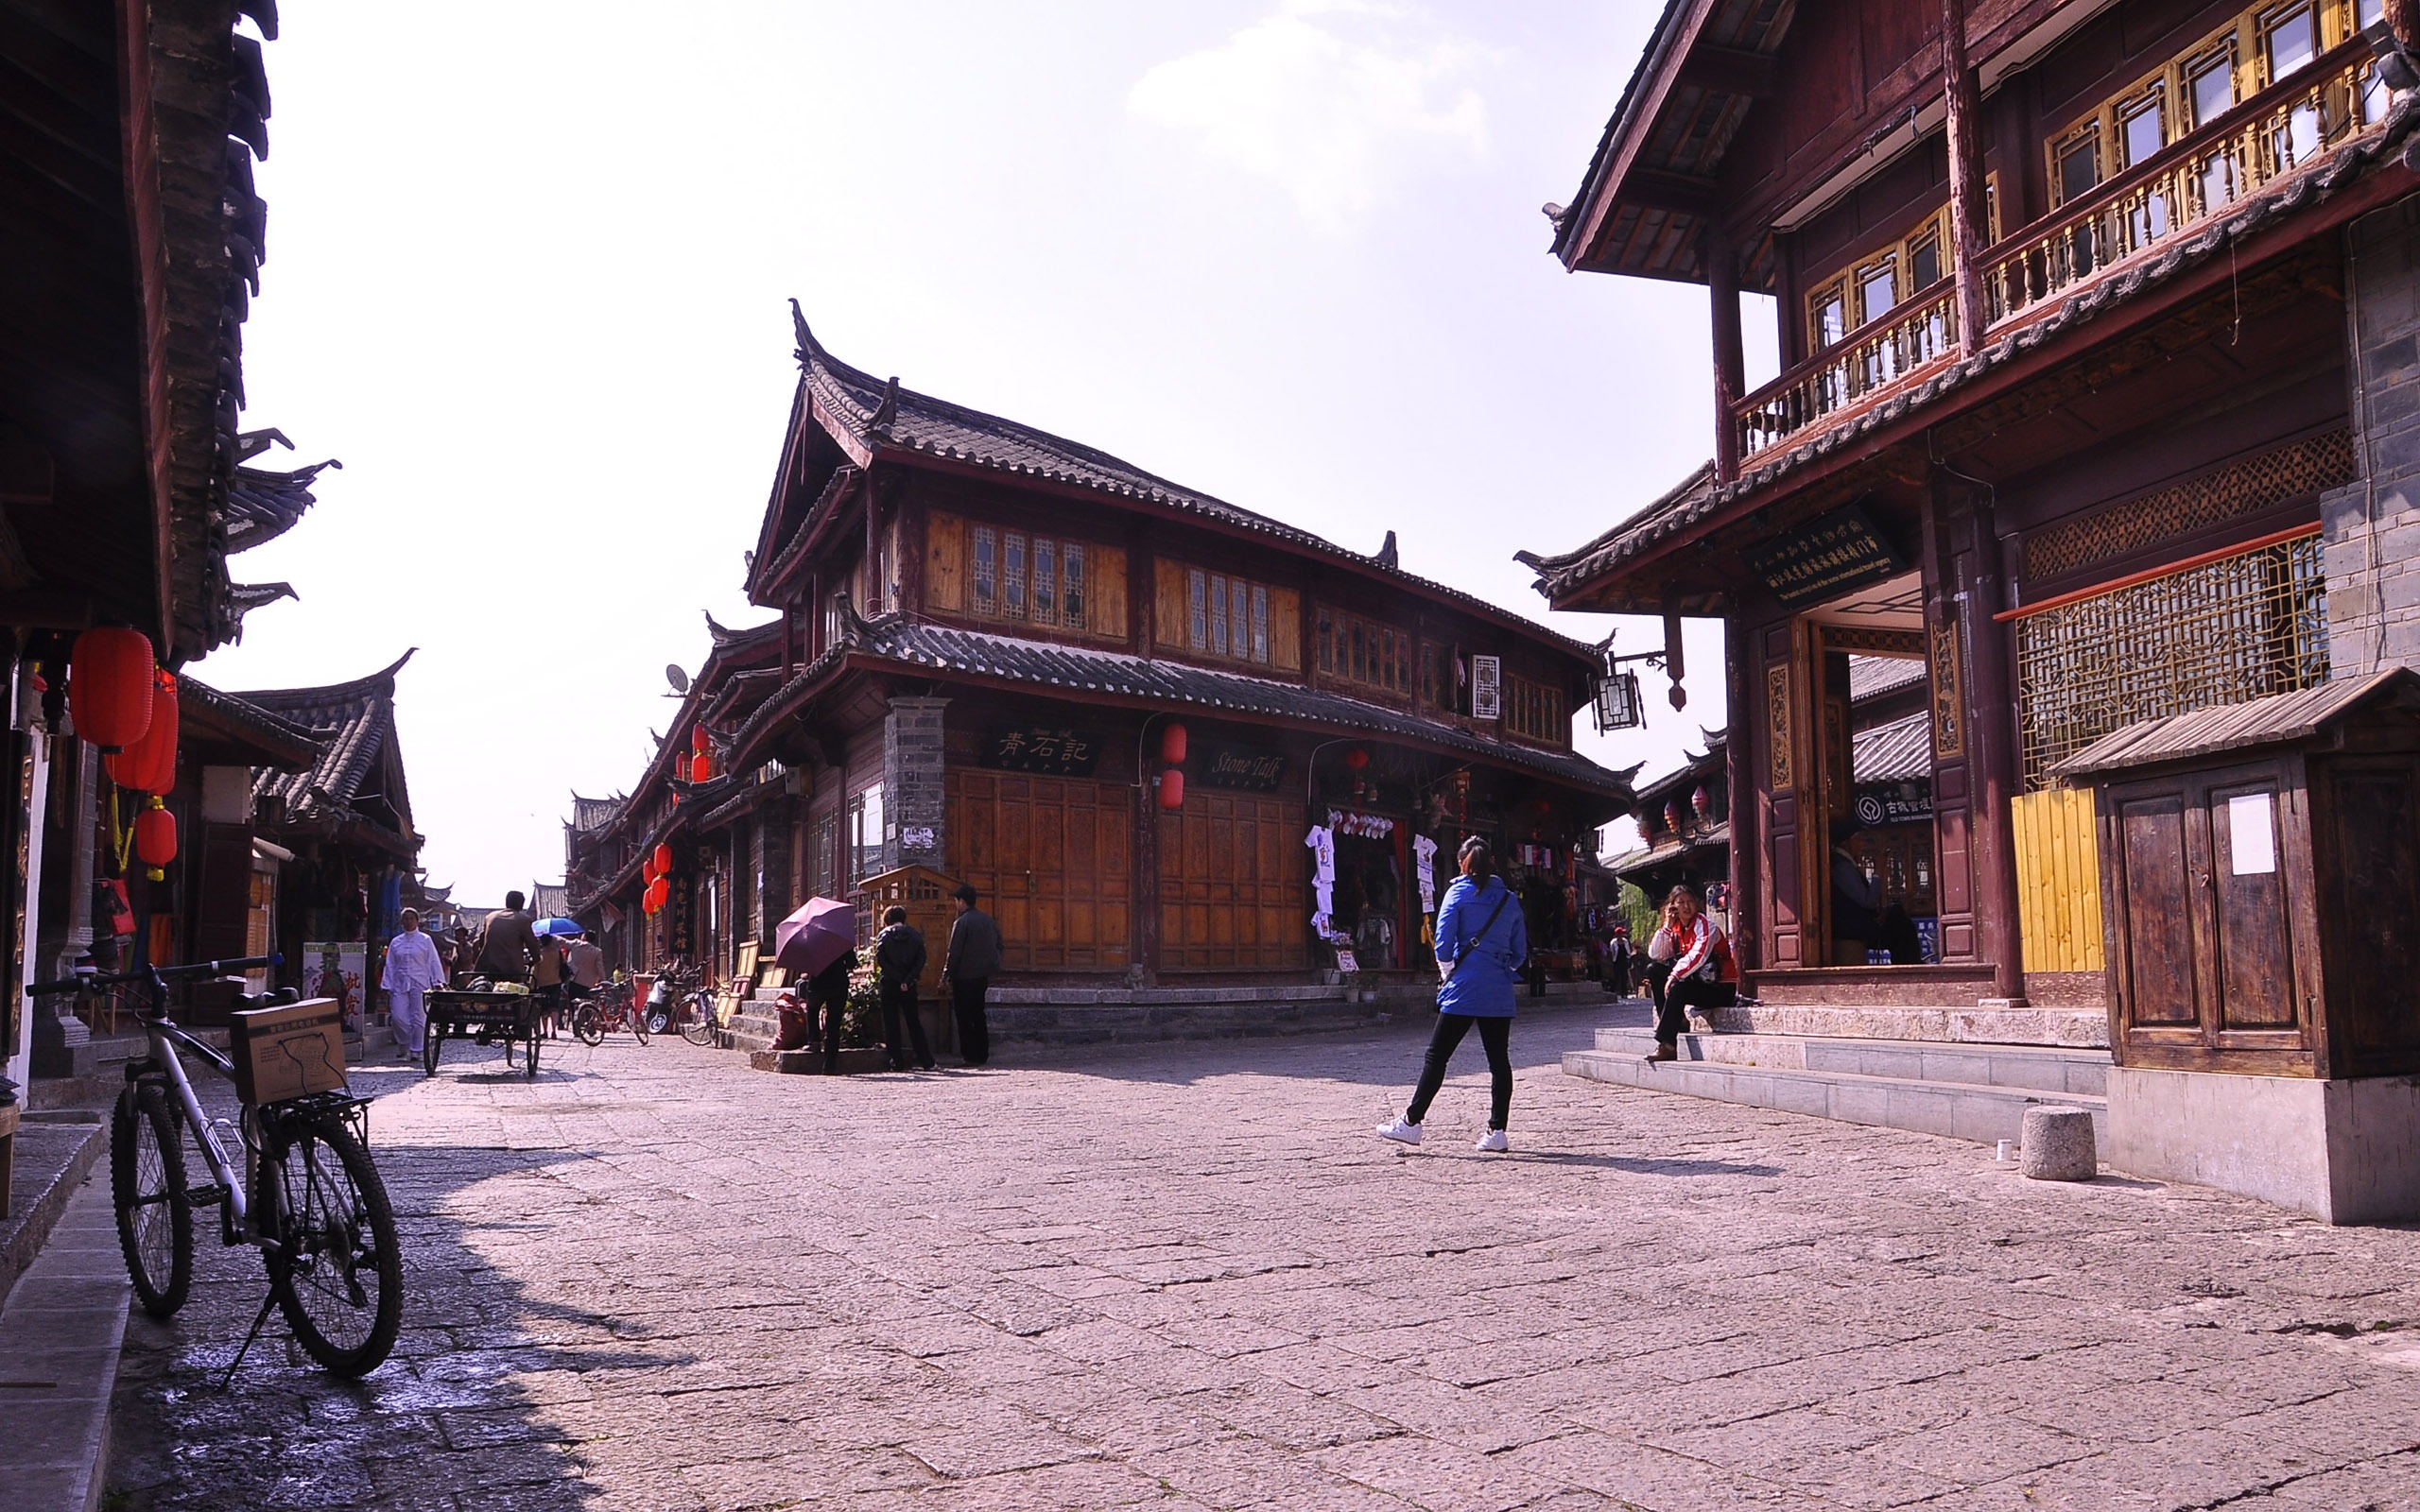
x,y
334,690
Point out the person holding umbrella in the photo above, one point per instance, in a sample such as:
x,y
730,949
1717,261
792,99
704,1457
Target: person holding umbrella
x,y
818,944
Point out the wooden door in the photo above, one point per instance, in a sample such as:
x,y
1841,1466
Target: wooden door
x,y
1235,890
2368,830
1784,682
1049,856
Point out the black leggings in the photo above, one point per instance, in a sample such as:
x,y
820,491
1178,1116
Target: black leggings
x,y
1673,999
1496,1035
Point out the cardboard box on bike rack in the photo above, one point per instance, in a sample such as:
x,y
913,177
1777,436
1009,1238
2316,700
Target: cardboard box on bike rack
x,y
283,1052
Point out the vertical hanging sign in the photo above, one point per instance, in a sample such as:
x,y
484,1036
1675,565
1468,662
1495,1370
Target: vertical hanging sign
x,y
1487,687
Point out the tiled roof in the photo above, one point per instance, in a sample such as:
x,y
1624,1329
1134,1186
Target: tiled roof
x,y
203,705
592,813
263,504
1174,684
882,415
1871,677
2275,720
1699,499
352,722
1898,752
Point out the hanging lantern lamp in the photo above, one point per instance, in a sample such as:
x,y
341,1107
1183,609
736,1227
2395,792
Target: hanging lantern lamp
x,y
1172,745
661,861
1672,818
1702,801
701,766
1172,789
149,764
109,685
1356,758
698,740
155,837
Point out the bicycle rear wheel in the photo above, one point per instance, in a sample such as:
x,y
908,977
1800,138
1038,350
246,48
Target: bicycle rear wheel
x,y
337,1270
587,1026
696,1022
147,1188
638,1020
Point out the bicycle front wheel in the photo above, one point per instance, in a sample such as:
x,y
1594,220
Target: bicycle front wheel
x,y
697,1022
638,1022
147,1188
337,1270
587,1026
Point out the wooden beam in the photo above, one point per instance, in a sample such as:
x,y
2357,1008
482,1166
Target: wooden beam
x,y
1963,100
1677,194
1731,71
1730,362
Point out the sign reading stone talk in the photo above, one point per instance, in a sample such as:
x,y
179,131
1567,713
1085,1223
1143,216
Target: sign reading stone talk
x,y
1824,559
1249,767
1044,748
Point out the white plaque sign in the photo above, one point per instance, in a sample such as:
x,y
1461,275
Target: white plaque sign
x,y
2252,835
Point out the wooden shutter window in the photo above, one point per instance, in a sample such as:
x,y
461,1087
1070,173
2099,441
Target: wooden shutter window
x,y
945,563
1285,630
1105,590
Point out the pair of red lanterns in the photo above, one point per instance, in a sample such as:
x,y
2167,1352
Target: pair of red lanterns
x,y
658,871
1172,758
700,767
125,704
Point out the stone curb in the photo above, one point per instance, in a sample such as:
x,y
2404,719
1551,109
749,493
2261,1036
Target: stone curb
x,y
61,1331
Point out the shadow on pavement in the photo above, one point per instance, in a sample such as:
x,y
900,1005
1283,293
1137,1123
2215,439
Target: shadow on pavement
x,y
284,1434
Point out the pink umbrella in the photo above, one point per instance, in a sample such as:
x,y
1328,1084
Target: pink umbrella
x,y
812,938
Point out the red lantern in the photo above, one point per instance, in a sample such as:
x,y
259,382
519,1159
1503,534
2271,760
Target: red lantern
x,y
155,835
701,766
658,892
1672,818
698,739
660,864
149,766
1172,745
1356,758
1702,801
1172,789
109,685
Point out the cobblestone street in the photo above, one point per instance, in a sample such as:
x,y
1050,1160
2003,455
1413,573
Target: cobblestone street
x,y
1187,1275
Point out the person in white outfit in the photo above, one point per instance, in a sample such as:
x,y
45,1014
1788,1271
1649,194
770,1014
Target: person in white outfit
x,y
413,967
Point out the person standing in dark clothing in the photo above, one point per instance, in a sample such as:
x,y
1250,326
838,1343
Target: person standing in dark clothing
x,y
507,946
899,957
827,1002
974,956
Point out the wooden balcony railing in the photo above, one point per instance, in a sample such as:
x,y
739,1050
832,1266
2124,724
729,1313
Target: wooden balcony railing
x,y
2286,127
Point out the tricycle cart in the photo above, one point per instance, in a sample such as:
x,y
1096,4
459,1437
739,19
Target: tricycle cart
x,y
507,1019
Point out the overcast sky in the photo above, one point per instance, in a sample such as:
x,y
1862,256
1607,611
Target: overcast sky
x,y
526,278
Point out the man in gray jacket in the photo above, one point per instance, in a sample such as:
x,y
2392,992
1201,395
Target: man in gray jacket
x,y
974,956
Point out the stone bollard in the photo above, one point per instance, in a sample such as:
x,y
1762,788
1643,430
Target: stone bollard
x,y
2058,1146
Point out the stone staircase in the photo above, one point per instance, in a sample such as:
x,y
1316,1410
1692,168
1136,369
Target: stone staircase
x,y
1962,1089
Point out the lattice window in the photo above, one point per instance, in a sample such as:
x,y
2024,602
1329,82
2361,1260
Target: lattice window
x,y
2229,494
2223,632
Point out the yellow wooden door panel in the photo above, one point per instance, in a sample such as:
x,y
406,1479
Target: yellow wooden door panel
x,y
2058,881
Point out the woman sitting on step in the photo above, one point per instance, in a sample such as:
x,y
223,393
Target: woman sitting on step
x,y
1689,966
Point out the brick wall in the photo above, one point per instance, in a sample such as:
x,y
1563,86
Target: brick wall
x,y
911,785
2373,523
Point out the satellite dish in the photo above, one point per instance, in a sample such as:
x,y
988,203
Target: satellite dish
x,y
679,678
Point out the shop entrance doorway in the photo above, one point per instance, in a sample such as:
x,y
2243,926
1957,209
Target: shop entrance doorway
x,y
1870,871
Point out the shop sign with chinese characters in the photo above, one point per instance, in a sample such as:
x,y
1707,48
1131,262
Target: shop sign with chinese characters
x,y
1046,749
1824,559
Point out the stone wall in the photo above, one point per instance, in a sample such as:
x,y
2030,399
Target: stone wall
x,y
2373,523
911,785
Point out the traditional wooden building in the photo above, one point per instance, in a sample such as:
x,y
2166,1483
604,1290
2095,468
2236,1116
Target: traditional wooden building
x,y
1167,739
2095,397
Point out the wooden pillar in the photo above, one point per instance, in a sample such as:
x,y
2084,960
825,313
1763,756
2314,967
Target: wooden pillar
x,y
1144,932
1967,218
1730,362
1739,762
1997,775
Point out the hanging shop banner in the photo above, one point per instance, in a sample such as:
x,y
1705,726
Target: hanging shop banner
x,y
1253,768
1893,803
1824,559
1044,749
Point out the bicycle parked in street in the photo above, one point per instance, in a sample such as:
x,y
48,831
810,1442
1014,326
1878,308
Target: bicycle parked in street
x,y
609,1008
678,1001
307,1196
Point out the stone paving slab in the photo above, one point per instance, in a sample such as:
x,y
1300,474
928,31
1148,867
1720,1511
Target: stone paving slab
x,y
1187,1277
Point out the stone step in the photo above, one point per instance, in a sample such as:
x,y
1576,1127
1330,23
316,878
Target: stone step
x,y
2030,1068
1950,1024
1979,1112
810,1062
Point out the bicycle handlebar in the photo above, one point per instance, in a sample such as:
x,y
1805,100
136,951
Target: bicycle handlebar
x,y
166,974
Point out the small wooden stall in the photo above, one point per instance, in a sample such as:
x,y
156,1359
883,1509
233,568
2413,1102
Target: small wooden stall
x,y
926,894
2260,865
2260,903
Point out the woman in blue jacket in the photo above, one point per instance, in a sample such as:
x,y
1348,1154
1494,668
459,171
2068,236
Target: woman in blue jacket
x,y
1481,941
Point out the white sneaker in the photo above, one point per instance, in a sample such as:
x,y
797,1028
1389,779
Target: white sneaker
x,y
1492,1142
1400,1131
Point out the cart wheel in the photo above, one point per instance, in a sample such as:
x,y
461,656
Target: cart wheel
x,y
430,1040
531,1070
